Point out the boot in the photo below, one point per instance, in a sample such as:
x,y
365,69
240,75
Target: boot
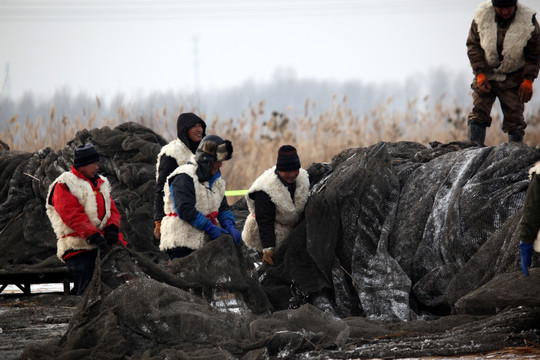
x,y
477,133
516,136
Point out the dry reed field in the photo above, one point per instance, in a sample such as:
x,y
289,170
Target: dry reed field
x,y
257,134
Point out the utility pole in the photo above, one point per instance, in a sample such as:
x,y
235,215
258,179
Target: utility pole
x,y
6,88
196,83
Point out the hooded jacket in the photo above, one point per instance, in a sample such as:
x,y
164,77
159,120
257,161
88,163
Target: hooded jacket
x,y
501,48
288,212
176,153
78,208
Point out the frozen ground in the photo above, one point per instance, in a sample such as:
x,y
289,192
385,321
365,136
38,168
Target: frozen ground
x,y
34,319
43,317
35,288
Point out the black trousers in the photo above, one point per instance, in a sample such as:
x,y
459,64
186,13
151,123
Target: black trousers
x,y
178,252
81,267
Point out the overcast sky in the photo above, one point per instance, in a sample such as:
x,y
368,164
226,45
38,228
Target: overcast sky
x,y
105,47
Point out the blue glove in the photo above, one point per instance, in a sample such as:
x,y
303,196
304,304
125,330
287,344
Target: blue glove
x,y
231,229
212,230
237,235
526,256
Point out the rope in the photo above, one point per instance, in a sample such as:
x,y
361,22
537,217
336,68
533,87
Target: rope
x,y
236,192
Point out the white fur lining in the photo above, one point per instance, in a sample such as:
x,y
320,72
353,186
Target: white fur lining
x,y
534,169
82,190
536,244
176,149
517,36
287,212
176,232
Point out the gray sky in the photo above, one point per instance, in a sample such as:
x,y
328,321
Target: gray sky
x,y
105,47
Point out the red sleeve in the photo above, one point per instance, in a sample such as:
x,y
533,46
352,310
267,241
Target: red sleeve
x,y
71,211
115,215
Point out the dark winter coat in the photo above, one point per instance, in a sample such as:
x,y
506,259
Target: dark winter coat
x,y
530,221
176,153
504,50
189,204
268,225
266,214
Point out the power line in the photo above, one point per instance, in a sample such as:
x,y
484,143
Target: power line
x,y
163,9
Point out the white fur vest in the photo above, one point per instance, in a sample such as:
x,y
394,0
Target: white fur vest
x,y
176,232
176,149
517,36
287,212
67,239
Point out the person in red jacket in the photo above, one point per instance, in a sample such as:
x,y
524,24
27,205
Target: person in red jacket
x,y
83,216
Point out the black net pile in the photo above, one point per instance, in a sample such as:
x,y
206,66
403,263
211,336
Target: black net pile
x,y
390,229
128,156
205,306
394,234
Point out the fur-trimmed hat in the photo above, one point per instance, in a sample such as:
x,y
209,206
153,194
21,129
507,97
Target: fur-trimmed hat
x,y
85,155
211,149
216,147
287,159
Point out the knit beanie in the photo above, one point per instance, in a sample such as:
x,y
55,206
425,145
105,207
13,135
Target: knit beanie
x,y
85,155
503,3
287,159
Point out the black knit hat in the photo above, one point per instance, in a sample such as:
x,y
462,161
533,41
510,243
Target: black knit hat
x,y
85,155
504,3
287,159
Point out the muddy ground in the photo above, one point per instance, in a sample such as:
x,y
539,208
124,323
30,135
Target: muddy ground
x,y
32,319
42,318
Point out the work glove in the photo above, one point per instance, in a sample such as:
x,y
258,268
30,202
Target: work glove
x,y
111,234
526,255
99,240
231,229
212,230
525,91
157,229
483,83
268,253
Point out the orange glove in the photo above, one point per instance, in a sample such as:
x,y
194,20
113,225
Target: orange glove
x,y
157,229
483,83
267,256
525,91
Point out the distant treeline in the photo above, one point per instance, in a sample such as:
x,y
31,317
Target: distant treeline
x,y
285,93
422,108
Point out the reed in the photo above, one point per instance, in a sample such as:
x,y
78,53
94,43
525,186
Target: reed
x,y
257,134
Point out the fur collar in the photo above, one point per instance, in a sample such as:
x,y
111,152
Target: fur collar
x,y
269,183
176,232
67,238
517,36
287,212
176,149
534,170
